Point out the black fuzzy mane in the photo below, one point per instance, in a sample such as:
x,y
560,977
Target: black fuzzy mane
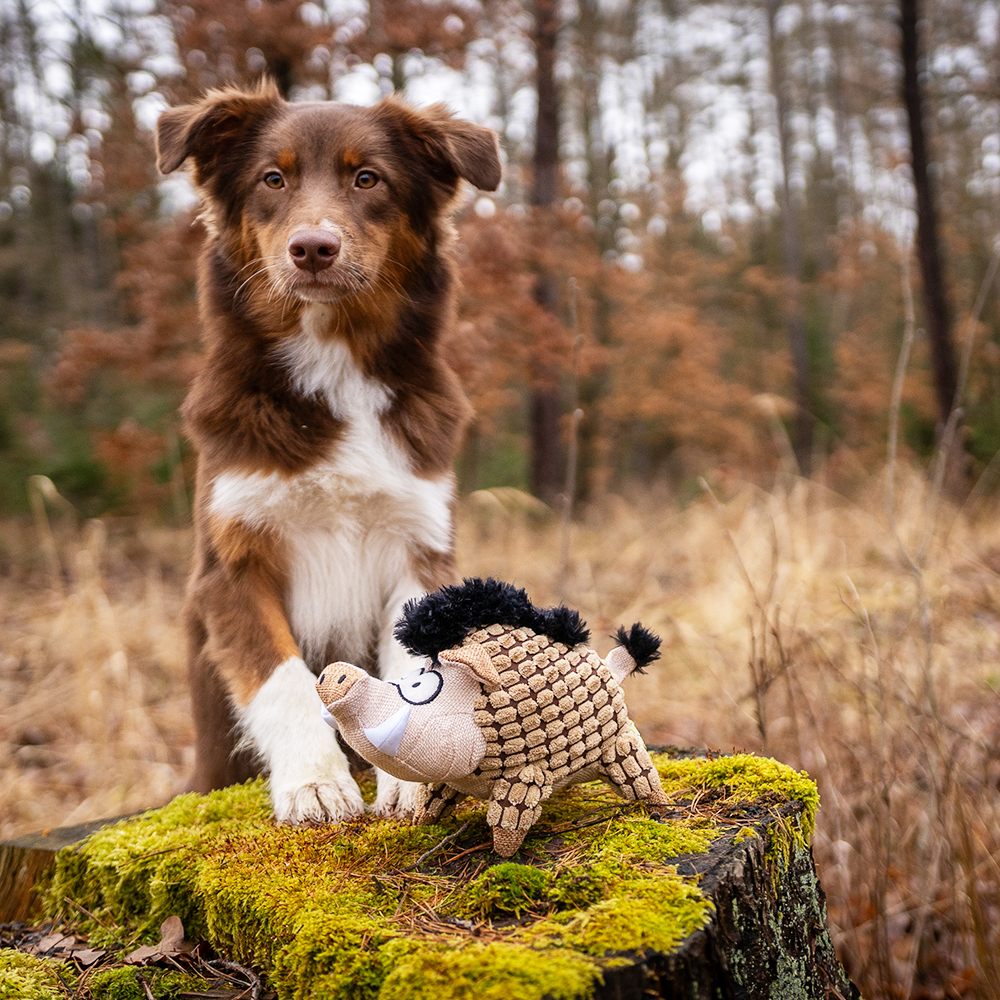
x,y
640,643
443,619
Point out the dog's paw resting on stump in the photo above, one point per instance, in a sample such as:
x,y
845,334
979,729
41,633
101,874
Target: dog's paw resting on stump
x,y
511,707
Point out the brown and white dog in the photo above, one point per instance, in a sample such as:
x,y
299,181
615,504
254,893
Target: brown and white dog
x,y
325,417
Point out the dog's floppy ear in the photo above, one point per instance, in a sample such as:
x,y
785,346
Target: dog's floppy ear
x,y
472,149
453,147
214,129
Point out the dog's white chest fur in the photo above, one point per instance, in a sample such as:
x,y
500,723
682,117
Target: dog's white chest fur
x,y
352,521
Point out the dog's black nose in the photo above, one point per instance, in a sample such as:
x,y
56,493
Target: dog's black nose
x,y
314,249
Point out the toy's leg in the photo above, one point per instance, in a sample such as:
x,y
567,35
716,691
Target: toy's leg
x,y
515,804
631,773
434,802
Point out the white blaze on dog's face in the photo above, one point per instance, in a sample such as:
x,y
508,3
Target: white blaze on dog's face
x,y
419,727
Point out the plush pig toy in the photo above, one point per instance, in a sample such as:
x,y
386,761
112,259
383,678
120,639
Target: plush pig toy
x,y
511,706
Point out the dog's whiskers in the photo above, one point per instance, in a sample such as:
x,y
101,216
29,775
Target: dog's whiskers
x,y
395,260
265,269
258,260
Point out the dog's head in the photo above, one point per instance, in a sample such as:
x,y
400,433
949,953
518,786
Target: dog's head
x,y
324,202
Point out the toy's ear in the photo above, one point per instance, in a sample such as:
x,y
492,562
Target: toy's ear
x,y
474,659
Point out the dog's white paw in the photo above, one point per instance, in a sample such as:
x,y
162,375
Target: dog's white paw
x,y
332,799
395,798
310,779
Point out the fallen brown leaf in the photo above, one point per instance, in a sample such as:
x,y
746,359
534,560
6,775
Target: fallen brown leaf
x,y
143,955
87,956
55,942
170,945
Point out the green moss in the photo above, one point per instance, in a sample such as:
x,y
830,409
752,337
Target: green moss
x,y
643,915
504,890
642,841
746,778
576,890
497,971
116,984
121,984
136,873
343,912
26,977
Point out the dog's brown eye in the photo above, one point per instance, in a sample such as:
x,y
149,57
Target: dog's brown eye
x,y
366,179
274,180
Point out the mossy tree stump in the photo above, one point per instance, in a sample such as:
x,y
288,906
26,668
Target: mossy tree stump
x,y
24,861
716,896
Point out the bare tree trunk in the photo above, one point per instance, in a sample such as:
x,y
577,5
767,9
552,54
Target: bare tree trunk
x,y
593,436
545,444
938,314
792,255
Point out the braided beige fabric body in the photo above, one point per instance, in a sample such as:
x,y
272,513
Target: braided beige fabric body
x,y
558,718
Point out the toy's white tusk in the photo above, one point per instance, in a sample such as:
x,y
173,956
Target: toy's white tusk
x,y
328,718
387,736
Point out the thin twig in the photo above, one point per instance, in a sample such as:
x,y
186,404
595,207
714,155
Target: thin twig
x,y
951,427
40,490
970,330
255,984
153,854
573,824
472,850
92,916
703,483
141,979
760,680
909,327
437,847
69,989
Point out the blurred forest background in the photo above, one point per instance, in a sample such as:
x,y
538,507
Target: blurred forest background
x,y
703,279
733,200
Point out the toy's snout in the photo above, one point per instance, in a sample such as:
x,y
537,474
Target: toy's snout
x,y
336,680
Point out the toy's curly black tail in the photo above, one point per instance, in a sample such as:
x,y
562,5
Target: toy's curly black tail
x,y
640,643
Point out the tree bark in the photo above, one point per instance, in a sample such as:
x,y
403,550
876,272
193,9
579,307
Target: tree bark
x,y
754,948
546,450
791,255
594,443
25,860
938,314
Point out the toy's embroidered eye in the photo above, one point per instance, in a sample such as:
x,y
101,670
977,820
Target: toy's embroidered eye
x,y
366,179
274,180
419,686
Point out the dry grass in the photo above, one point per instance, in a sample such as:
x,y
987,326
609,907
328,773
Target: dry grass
x,y
96,718
791,625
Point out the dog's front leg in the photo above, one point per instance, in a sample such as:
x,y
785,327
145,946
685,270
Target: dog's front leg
x,y
309,775
273,692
